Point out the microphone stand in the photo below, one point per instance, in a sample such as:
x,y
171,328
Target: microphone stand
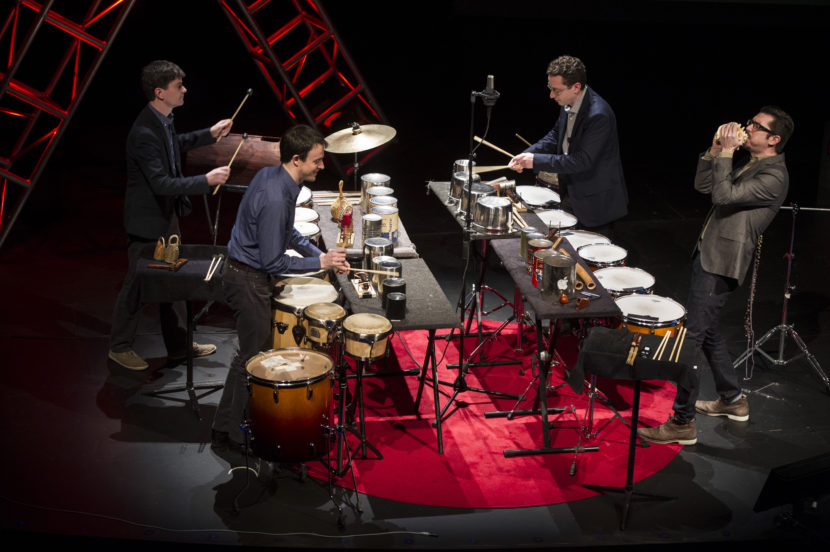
x,y
489,97
784,327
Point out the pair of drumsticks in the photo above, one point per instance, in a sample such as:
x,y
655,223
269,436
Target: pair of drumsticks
x,y
244,135
490,168
678,346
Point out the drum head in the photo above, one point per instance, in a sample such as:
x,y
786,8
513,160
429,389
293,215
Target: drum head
x,y
557,218
304,197
304,214
301,291
578,238
307,229
653,310
287,367
602,252
537,196
324,311
625,279
365,323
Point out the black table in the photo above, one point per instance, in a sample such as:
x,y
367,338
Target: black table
x,y
604,352
186,284
427,307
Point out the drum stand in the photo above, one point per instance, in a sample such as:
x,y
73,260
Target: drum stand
x,y
784,328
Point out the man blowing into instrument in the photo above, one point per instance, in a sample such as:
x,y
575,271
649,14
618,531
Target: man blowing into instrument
x,y
744,202
583,149
155,198
263,231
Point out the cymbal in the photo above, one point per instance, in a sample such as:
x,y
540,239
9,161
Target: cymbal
x,y
359,138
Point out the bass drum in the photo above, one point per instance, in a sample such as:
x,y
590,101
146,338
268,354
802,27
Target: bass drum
x,y
290,405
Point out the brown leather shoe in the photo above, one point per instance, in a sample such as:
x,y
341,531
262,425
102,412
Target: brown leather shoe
x,y
129,360
738,410
670,432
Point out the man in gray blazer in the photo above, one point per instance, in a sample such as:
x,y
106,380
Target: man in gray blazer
x,y
744,202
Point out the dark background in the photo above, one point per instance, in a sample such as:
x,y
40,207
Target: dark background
x,y
672,70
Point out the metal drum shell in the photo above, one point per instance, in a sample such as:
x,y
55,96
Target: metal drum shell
x,y
493,214
370,180
474,192
459,182
376,247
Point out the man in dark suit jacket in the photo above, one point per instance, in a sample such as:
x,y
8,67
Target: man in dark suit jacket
x,y
744,202
155,197
583,148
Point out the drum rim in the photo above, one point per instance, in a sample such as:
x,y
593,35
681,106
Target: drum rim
x,y
555,197
293,383
649,323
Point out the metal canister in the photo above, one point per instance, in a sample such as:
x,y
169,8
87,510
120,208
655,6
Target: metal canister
x,y
369,180
388,223
525,232
391,285
371,226
382,201
558,276
459,182
386,267
396,306
376,191
538,263
533,246
376,247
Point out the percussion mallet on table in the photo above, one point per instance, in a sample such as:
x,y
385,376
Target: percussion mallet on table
x,y
248,93
244,137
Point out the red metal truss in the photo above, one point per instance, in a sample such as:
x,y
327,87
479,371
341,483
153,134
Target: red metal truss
x,y
305,64
36,104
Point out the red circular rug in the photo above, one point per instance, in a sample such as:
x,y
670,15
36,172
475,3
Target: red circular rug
x,y
473,472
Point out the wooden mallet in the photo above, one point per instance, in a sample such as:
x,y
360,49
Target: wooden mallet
x,y
244,137
248,93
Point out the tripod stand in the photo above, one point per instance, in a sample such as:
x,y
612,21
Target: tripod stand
x,y
784,328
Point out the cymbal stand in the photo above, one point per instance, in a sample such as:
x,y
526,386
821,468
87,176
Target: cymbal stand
x,y
784,328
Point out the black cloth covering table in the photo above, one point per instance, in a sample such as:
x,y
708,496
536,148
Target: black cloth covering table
x,y
186,284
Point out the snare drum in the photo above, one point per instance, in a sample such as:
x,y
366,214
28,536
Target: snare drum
x,y
601,255
537,197
366,335
651,314
578,238
290,404
304,214
310,231
292,296
624,280
304,198
557,218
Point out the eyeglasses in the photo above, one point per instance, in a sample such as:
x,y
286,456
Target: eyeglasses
x,y
557,91
752,124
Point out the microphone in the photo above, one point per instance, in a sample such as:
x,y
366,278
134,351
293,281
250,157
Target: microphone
x,y
490,94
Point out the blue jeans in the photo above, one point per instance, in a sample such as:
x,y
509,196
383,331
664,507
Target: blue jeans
x,y
708,294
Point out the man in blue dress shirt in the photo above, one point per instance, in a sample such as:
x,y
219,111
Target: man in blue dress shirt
x,y
263,231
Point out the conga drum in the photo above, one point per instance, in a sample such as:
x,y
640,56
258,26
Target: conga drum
x,y
366,335
291,297
290,406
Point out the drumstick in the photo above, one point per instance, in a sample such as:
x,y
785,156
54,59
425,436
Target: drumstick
x,y
518,217
244,137
523,140
498,149
662,347
248,93
678,344
395,272
489,168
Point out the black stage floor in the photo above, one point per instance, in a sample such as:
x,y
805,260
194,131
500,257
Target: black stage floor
x,y
91,458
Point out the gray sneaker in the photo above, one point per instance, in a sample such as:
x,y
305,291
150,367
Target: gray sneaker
x,y
129,360
670,432
738,410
